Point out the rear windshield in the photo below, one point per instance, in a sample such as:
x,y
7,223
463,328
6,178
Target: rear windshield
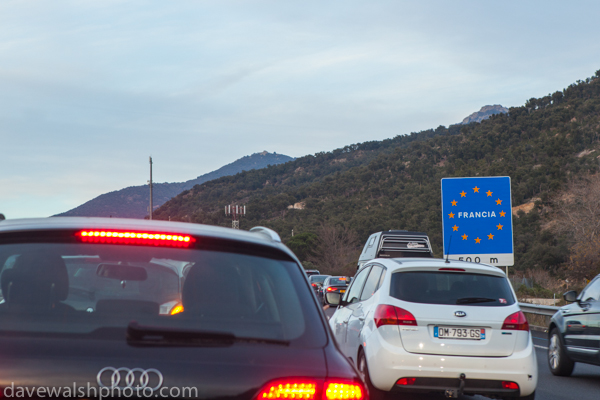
x,y
342,280
79,288
318,278
451,288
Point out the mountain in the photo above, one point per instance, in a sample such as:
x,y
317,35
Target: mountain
x,y
133,201
485,113
395,183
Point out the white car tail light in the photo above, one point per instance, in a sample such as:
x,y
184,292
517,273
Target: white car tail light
x,y
386,314
516,322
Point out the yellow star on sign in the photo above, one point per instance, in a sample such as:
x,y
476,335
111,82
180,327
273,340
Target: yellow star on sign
x,y
464,236
463,194
453,202
499,226
451,215
455,228
475,189
490,237
489,193
498,201
502,213
477,240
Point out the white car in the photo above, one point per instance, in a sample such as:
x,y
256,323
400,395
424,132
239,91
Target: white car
x,y
432,325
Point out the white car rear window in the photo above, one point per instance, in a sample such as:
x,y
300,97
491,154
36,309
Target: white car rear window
x,y
451,288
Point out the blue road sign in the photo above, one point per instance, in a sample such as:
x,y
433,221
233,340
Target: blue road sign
x,y
477,219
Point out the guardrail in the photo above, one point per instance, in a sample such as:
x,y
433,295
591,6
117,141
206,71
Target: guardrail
x,y
538,309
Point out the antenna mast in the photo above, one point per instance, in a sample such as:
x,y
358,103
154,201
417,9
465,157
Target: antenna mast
x,y
150,184
236,212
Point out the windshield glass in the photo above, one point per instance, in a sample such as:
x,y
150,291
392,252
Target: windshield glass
x,y
79,288
451,288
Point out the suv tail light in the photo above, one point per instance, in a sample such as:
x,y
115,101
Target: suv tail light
x,y
390,315
332,289
343,391
516,322
312,389
288,390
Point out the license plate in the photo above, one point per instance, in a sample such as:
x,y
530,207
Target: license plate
x,y
342,291
452,332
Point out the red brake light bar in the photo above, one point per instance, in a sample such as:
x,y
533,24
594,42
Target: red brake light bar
x,y
452,269
135,237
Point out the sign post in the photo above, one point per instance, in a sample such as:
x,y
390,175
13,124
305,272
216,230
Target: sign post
x,y
477,220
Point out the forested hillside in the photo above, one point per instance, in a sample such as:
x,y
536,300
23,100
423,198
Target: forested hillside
x,y
395,183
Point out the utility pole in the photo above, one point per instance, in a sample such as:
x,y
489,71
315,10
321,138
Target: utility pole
x,y
236,212
150,183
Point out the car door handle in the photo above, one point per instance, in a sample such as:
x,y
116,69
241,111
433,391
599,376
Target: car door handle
x,y
361,319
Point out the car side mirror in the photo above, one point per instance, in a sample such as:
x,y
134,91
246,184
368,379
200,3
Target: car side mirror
x,y
570,296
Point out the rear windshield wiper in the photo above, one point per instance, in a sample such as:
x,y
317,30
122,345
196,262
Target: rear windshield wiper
x,y
138,335
467,300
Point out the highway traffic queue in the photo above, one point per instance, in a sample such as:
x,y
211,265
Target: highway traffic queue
x,y
97,307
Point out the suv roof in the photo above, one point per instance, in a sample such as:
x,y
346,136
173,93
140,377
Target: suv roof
x,y
258,235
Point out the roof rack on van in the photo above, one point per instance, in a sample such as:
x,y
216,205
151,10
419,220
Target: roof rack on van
x,y
395,244
417,244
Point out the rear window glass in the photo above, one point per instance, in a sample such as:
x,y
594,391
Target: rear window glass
x,y
451,288
318,278
339,281
79,288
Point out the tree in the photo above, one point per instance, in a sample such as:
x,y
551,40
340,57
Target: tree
x,y
337,250
578,217
303,245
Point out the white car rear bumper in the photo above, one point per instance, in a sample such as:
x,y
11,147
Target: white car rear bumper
x,y
389,362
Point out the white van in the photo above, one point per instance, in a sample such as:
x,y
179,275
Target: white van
x,y
395,244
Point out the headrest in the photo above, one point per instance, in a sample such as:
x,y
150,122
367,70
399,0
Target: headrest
x,y
36,277
209,288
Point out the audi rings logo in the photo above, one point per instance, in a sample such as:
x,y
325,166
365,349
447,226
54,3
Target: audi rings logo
x,y
132,378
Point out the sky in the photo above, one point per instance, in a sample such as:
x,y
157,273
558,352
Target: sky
x,y
90,89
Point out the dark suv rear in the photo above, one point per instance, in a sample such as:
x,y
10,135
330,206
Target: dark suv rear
x,y
97,307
